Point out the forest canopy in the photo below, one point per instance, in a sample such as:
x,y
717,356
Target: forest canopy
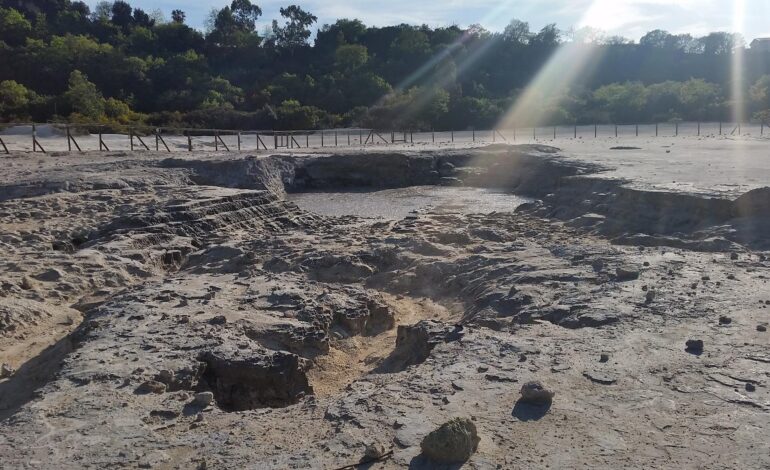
x,y
115,63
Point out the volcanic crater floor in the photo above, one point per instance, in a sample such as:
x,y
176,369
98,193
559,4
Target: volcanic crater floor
x,y
188,313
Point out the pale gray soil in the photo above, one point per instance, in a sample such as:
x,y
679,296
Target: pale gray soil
x,y
386,294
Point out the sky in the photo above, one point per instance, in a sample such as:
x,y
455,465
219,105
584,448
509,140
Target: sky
x,y
629,18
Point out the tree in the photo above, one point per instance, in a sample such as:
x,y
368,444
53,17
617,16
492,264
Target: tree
x,y
14,98
295,32
178,16
142,19
622,101
234,25
102,11
83,96
517,32
350,57
760,97
121,14
14,28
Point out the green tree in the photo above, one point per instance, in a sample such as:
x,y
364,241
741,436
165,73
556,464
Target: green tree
x,y
296,30
622,101
14,99
83,96
14,28
178,16
350,57
760,93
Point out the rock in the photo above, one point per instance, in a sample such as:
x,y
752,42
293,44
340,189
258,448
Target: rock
x,y
761,328
600,377
694,346
751,387
203,399
604,358
218,320
50,275
374,451
6,371
733,256
623,274
152,386
649,296
536,394
453,442
723,320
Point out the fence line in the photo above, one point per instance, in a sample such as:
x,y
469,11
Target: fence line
x,y
169,139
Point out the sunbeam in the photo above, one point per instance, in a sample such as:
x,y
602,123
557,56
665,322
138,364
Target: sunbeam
x,y
571,62
737,92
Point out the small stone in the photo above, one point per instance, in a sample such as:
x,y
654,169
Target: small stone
x,y
649,296
604,358
374,451
535,393
482,369
50,275
623,274
694,346
6,371
218,320
203,399
165,376
751,387
761,328
152,386
733,256
723,320
453,442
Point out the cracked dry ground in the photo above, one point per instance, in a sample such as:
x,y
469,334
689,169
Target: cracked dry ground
x,y
318,336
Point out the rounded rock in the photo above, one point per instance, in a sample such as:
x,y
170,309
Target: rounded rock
x,y
536,394
453,442
203,399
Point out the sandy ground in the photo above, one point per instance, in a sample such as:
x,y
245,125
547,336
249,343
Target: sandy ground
x,y
186,313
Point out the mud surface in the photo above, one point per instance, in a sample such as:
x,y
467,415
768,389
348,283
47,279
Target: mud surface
x,y
187,313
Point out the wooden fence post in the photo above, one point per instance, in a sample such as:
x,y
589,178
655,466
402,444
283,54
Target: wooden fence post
x,y
676,131
131,137
596,130
575,136
69,142
656,129
189,141
102,144
35,143
239,141
637,130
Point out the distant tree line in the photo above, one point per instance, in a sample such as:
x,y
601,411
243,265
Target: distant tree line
x,y
117,64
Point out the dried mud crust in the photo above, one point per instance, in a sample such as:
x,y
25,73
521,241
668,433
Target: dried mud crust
x,y
190,317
